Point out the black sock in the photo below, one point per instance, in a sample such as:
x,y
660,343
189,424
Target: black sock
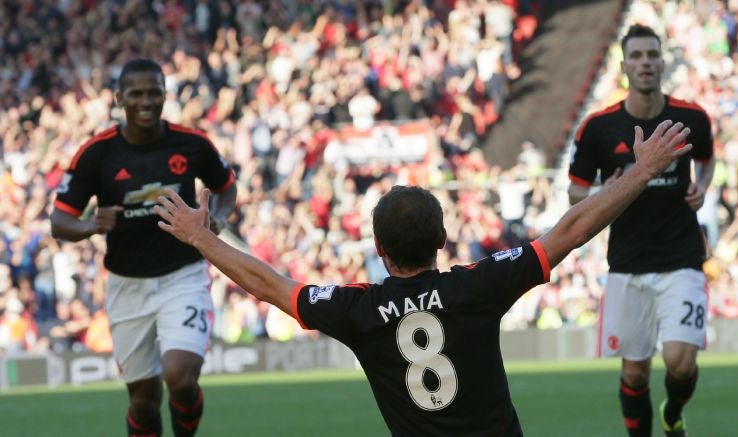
x,y
151,428
635,403
186,418
678,393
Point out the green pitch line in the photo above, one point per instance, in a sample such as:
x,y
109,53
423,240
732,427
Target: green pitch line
x,y
572,398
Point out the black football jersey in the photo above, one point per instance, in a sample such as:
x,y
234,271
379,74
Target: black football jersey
x,y
658,232
429,344
133,176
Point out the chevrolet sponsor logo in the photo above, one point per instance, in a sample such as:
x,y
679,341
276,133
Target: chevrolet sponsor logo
x,y
139,212
148,194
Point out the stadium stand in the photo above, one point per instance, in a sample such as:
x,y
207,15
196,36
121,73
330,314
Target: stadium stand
x,y
286,90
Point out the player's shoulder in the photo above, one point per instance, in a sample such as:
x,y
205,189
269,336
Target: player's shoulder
x,y
95,143
675,104
188,132
598,117
327,292
608,111
102,137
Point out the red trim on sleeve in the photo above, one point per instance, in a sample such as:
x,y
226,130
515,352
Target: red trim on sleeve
x,y
231,180
579,181
293,299
61,206
543,259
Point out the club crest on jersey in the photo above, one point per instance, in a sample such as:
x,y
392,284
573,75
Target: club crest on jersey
x,y
511,254
177,164
325,292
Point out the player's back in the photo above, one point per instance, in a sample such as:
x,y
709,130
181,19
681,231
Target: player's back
x,y
429,344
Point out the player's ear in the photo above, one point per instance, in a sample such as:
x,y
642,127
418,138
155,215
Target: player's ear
x,y
378,246
118,98
442,243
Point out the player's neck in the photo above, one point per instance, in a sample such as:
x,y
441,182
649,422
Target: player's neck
x,y
136,135
644,105
400,272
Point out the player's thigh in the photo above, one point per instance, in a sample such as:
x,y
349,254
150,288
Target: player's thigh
x,y
133,327
628,322
682,306
185,319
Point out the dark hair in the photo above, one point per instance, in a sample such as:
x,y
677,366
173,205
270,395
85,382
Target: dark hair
x,y
638,31
139,66
408,223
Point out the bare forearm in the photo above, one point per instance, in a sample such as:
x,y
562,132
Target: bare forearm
x,y
250,273
704,171
592,214
66,227
223,203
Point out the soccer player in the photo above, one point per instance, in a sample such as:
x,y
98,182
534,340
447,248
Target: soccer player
x,y
428,340
655,288
158,299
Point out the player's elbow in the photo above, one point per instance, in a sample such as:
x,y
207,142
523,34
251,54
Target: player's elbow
x,y
57,231
574,199
577,193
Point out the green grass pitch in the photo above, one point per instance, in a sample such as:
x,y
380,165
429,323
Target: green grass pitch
x,y
552,399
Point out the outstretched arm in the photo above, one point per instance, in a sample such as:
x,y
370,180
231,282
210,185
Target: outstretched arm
x,y
191,226
592,214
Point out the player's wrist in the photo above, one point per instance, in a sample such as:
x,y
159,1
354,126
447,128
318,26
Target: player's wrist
x,y
642,172
198,238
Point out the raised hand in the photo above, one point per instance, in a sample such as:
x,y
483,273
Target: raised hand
x,y
179,219
662,147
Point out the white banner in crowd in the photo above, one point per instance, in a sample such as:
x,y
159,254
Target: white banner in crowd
x,y
384,142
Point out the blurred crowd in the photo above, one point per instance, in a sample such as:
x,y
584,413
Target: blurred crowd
x,y
283,88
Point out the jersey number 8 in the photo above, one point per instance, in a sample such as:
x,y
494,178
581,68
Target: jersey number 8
x,y
426,358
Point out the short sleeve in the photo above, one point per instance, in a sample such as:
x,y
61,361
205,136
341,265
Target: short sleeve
x,y
702,138
215,171
78,184
582,163
325,308
504,276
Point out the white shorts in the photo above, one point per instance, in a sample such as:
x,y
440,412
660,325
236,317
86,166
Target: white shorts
x,y
638,311
149,316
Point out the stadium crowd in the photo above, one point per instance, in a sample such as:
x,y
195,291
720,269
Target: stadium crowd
x,y
281,87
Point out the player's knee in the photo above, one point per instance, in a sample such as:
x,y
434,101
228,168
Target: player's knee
x,y
680,361
144,408
636,376
181,379
681,369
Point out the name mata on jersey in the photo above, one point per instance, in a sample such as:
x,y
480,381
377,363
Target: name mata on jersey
x,y
409,305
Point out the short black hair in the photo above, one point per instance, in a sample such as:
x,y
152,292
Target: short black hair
x,y
138,66
408,223
638,31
